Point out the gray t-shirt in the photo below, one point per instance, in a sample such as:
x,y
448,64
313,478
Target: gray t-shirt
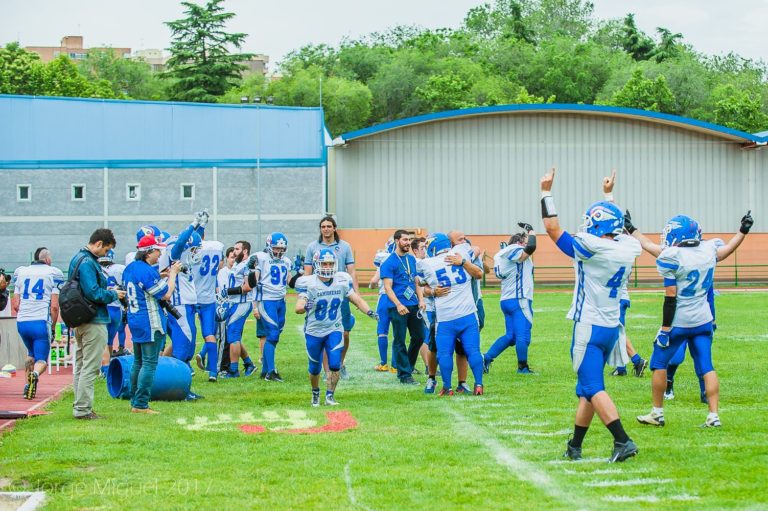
x,y
342,249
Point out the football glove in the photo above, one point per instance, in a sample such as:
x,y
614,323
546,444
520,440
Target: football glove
x,y
526,227
662,339
222,295
628,223
371,314
201,219
252,262
746,223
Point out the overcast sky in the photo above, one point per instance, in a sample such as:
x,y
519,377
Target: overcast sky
x,y
276,28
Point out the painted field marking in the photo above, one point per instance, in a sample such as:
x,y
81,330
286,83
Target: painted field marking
x,y
582,461
350,490
289,421
520,423
606,471
649,498
627,482
523,470
523,432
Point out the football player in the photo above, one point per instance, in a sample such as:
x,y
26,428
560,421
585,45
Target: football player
x,y
329,238
320,297
687,264
116,326
382,305
602,255
514,267
35,304
210,258
455,311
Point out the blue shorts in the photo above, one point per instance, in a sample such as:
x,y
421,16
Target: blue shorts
x,y
115,325
207,314
36,335
332,344
623,306
347,319
382,328
272,319
699,341
183,332
590,347
238,314
464,331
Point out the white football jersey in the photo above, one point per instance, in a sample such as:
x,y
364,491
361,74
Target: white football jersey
x,y
693,268
185,293
35,284
326,297
206,269
429,301
459,302
130,257
378,260
602,268
114,278
516,276
274,275
237,275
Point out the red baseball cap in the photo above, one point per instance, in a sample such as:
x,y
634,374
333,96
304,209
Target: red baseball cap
x,y
149,242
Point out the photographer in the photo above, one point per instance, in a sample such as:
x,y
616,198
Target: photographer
x,y
5,280
147,296
91,337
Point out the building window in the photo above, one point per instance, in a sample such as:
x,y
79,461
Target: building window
x,y
78,192
187,191
23,193
133,191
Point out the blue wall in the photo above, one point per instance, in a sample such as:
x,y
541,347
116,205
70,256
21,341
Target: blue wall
x,y
46,132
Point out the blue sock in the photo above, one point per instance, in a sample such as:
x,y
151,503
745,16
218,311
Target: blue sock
x,y
383,342
635,358
233,368
522,351
621,369
104,370
702,388
498,347
269,356
247,361
671,370
329,393
212,358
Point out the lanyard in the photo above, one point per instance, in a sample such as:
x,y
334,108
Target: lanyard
x,y
406,267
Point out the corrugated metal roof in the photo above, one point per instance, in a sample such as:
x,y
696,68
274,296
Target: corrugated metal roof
x,y
610,111
48,132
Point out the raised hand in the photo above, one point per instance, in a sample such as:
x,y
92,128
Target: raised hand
x,y
526,227
608,182
628,225
547,180
746,223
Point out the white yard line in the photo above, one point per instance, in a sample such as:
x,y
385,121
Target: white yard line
x,y
649,498
627,482
605,471
351,491
524,432
521,469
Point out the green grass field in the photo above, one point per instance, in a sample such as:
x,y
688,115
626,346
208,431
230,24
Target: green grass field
x,y
413,451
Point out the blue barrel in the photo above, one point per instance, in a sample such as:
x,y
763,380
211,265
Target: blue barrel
x,y
173,379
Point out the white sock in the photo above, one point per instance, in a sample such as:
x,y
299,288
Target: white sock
x,y
712,416
657,411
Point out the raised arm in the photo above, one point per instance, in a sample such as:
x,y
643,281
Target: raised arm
x,y
548,211
727,249
652,248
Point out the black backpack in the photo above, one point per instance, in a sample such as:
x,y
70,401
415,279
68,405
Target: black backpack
x,y
75,309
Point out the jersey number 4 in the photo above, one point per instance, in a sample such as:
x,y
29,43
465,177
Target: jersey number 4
x,y
38,289
614,283
693,278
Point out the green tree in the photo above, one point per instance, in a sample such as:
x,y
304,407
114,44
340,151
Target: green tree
x,y
253,86
446,92
668,45
21,72
62,78
635,41
739,109
201,64
131,78
644,93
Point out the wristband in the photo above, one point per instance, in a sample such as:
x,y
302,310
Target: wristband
x,y
547,205
608,197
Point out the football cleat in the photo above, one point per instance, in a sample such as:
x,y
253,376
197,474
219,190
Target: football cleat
x,y
623,451
669,395
478,390
619,371
200,361
487,365
408,380
343,373
382,368
712,422
315,398
571,452
230,374
30,389
463,388
330,400
212,377
191,396
445,392
640,367
273,376
525,370
652,419
430,387
250,369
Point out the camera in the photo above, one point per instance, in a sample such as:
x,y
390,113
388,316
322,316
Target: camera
x,y
123,300
184,268
170,309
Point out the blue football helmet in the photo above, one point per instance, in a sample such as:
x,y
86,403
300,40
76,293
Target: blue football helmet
x,y
678,229
109,257
437,243
164,236
603,218
193,245
277,245
148,229
324,263
390,246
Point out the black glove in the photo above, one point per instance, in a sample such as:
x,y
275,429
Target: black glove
x,y
252,262
628,225
746,223
526,227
